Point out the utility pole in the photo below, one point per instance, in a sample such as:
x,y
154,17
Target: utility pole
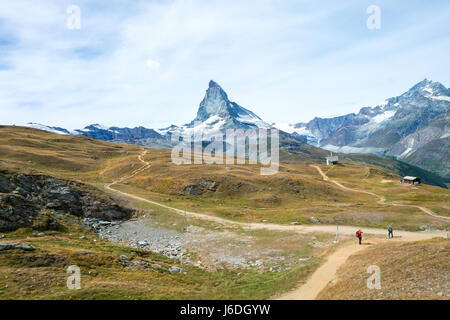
x,y
185,221
337,233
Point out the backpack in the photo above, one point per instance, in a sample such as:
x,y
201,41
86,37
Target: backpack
x,y
358,234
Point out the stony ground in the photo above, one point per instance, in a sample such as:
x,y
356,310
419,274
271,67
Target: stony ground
x,y
211,249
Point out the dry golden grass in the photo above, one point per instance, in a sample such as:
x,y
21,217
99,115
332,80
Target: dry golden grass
x,y
295,193
414,270
41,274
30,150
237,192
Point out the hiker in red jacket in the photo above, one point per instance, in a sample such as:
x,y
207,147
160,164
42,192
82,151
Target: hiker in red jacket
x,y
359,235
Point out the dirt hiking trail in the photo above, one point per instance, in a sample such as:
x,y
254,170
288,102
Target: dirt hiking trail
x,y
326,272
382,199
323,275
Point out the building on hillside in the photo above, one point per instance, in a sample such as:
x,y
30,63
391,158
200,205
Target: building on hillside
x,y
332,160
411,180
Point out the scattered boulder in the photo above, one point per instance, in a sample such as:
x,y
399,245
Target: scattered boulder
x,y
16,211
207,184
16,245
84,253
143,243
193,190
304,259
174,269
45,221
295,223
140,264
256,263
314,220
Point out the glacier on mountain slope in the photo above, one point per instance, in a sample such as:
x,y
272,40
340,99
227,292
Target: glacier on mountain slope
x,y
379,127
50,129
383,116
349,149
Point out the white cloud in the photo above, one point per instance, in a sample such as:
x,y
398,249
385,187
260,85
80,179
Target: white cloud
x,y
287,61
153,65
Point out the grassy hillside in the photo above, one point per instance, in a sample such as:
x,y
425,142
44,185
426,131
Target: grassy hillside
x,y
415,270
399,167
28,150
296,193
116,271
238,192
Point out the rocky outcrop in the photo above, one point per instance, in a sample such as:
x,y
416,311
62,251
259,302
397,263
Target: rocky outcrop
x,y
15,246
16,211
193,190
23,197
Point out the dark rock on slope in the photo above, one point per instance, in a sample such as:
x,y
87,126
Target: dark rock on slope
x,y
23,197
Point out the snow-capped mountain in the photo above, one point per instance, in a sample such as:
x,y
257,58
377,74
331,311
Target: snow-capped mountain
x,y
217,113
115,133
49,129
138,135
378,128
413,127
216,108
315,130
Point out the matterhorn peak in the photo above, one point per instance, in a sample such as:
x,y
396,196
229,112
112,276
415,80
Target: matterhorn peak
x,y
215,92
216,107
213,84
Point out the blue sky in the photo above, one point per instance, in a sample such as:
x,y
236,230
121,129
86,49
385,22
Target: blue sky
x,y
149,62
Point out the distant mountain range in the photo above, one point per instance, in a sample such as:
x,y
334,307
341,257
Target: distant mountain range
x,y
413,127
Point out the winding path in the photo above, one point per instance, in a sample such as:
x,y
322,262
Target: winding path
x,y
382,199
343,230
327,271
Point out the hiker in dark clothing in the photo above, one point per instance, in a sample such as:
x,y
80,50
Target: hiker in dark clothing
x,y
390,232
359,235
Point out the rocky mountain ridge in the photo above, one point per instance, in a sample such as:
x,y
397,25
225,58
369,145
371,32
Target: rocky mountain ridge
x,y
412,127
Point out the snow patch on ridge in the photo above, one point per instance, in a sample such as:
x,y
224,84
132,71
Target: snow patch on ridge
x,y
405,153
383,116
49,129
290,128
349,149
249,119
445,98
